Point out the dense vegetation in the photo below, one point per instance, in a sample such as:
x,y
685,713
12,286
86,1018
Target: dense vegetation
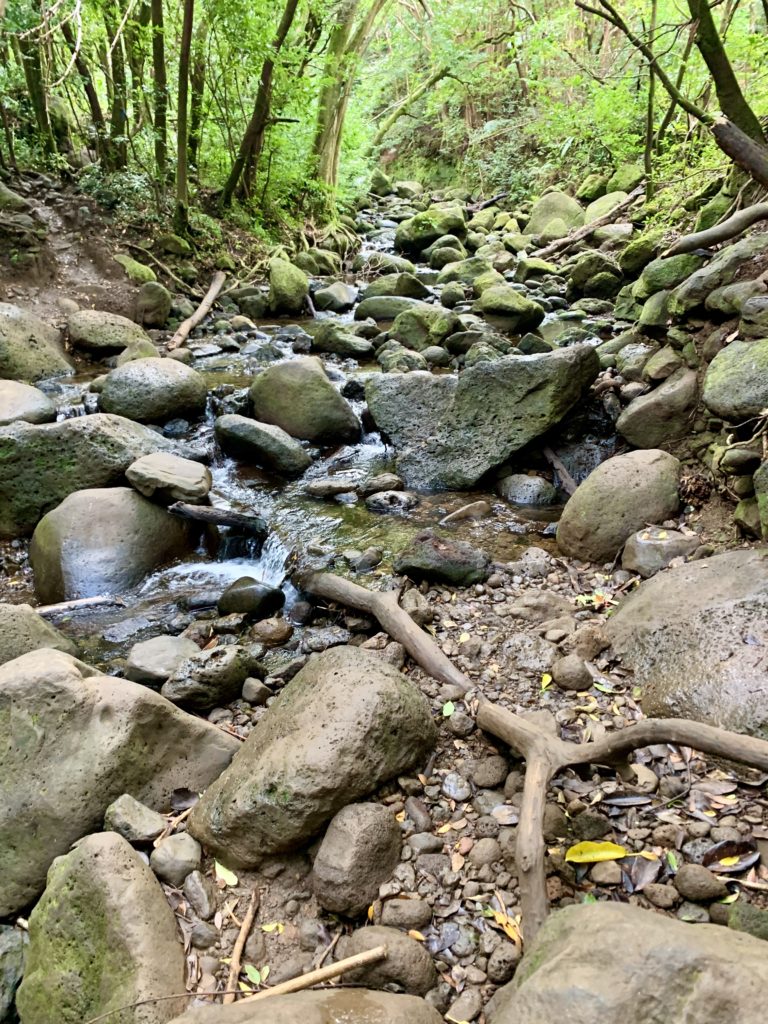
x,y
271,113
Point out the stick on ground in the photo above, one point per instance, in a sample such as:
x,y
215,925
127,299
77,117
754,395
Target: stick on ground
x,y
237,951
191,322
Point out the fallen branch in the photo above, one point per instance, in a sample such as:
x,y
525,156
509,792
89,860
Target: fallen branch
x,y
305,981
722,232
254,525
586,231
78,602
544,752
751,156
477,207
165,269
191,322
567,482
237,951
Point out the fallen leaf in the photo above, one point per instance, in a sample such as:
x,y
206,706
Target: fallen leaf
x,y
464,638
448,708
253,974
457,862
370,912
594,853
416,935
276,926
546,681
224,874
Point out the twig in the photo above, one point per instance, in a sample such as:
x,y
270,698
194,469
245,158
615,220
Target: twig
x,y
237,952
182,333
566,480
165,269
172,824
588,229
305,981
78,602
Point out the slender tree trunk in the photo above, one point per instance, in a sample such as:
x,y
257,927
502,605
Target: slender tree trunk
x,y
197,92
135,41
413,97
670,113
118,125
730,97
29,52
97,114
160,90
181,215
650,110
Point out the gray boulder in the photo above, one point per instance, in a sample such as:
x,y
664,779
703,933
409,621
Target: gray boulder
x,y
29,348
408,964
153,390
41,465
736,382
264,443
361,723
522,489
337,297
359,851
663,415
154,661
23,630
133,820
698,975
448,431
288,287
432,556
298,397
554,206
323,1006
101,937
387,307
104,541
13,954
80,740
720,270
508,309
101,333
209,678
648,551
23,402
694,635
169,478
405,284
153,304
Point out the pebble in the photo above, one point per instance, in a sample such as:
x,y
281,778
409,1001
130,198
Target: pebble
x,y
697,883
490,772
570,673
176,857
203,935
406,914
662,896
201,895
417,811
485,851
255,692
606,873
425,842
692,913
502,963
467,1006
455,787
461,724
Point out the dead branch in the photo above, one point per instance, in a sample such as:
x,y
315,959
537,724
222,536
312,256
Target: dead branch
x,y
254,525
183,332
566,480
485,203
165,269
588,229
722,232
237,951
78,602
544,752
305,981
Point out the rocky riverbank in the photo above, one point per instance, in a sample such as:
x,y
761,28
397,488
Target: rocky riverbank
x,y
544,456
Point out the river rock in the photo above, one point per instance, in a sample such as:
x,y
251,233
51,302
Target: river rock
x,y
652,549
23,402
417,233
697,976
431,556
664,414
104,541
298,397
13,954
337,297
133,820
210,678
449,431
361,723
175,857
252,597
79,741
359,851
101,333
666,274
406,284
719,271
383,263
554,206
41,465
521,489
153,390
168,478
754,315
408,964
419,328
736,382
616,500
154,661
323,1006
29,348
288,287
392,502
264,443
102,936
23,630
153,304
387,307
694,636
512,311
336,338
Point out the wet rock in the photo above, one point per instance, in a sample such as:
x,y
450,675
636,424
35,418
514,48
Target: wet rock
x,y
697,883
354,737
104,541
168,478
154,661
662,415
510,310
736,382
476,420
133,820
23,630
570,673
153,390
474,510
694,635
251,596
175,857
432,557
408,965
337,297
521,489
298,397
627,946
329,486
13,951
392,502
41,465
386,307
102,907
618,498
651,550
421,327
407,285
209,678
288,287
380,482
24,402
358,853
416,233
59,789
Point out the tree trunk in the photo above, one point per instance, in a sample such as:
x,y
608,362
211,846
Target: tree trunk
x,y
134,49
649,113
387,124
160,89
29,51
247,160
751,156
97,114
729,94
118,124
181,215
197,86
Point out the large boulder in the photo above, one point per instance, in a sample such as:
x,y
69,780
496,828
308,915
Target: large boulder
x,y
322,1006
288,287
41,465
419,328
153,304
73,741
101,333
554,206
387,307
104,541
616,500
448,431
664,414
102,937
407,285
263,443
23,630
13,954
509,309
736,382
720,270
29,348
361,722
23,402
435,557
615,962
298,397
167,478
694,636
417,233
153,390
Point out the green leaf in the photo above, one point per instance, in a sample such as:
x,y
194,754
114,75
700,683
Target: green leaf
x,y
448,708
264,973
603,688
224,874
594,853
672,859
253,974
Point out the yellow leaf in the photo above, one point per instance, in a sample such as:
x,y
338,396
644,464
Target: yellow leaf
x,y
444,828
423,779
463,638
416,935
457,862
370,912
647,855
662,534
273,926
400,816
224,874
728,862
546,680
593,853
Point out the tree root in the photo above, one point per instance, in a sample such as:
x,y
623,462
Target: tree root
x,y
722,232
544,752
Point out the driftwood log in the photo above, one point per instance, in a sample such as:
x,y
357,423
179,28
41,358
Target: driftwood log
x,y
581,233
722,232
191,322
544,752
254,525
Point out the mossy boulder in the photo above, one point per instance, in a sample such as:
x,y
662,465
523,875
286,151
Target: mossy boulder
x,y
600,207
418,329
23,630
713,211
719,271
664,414
173,244
736,382
101,333
12,202
153,304
510,309
288,287
465,271
665,274
29,348
625,178
262,443
137,272
592,187
417,233
153,390
407,285
554,207
386,307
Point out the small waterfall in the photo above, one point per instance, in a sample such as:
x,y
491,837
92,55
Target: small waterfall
x,y
270,567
